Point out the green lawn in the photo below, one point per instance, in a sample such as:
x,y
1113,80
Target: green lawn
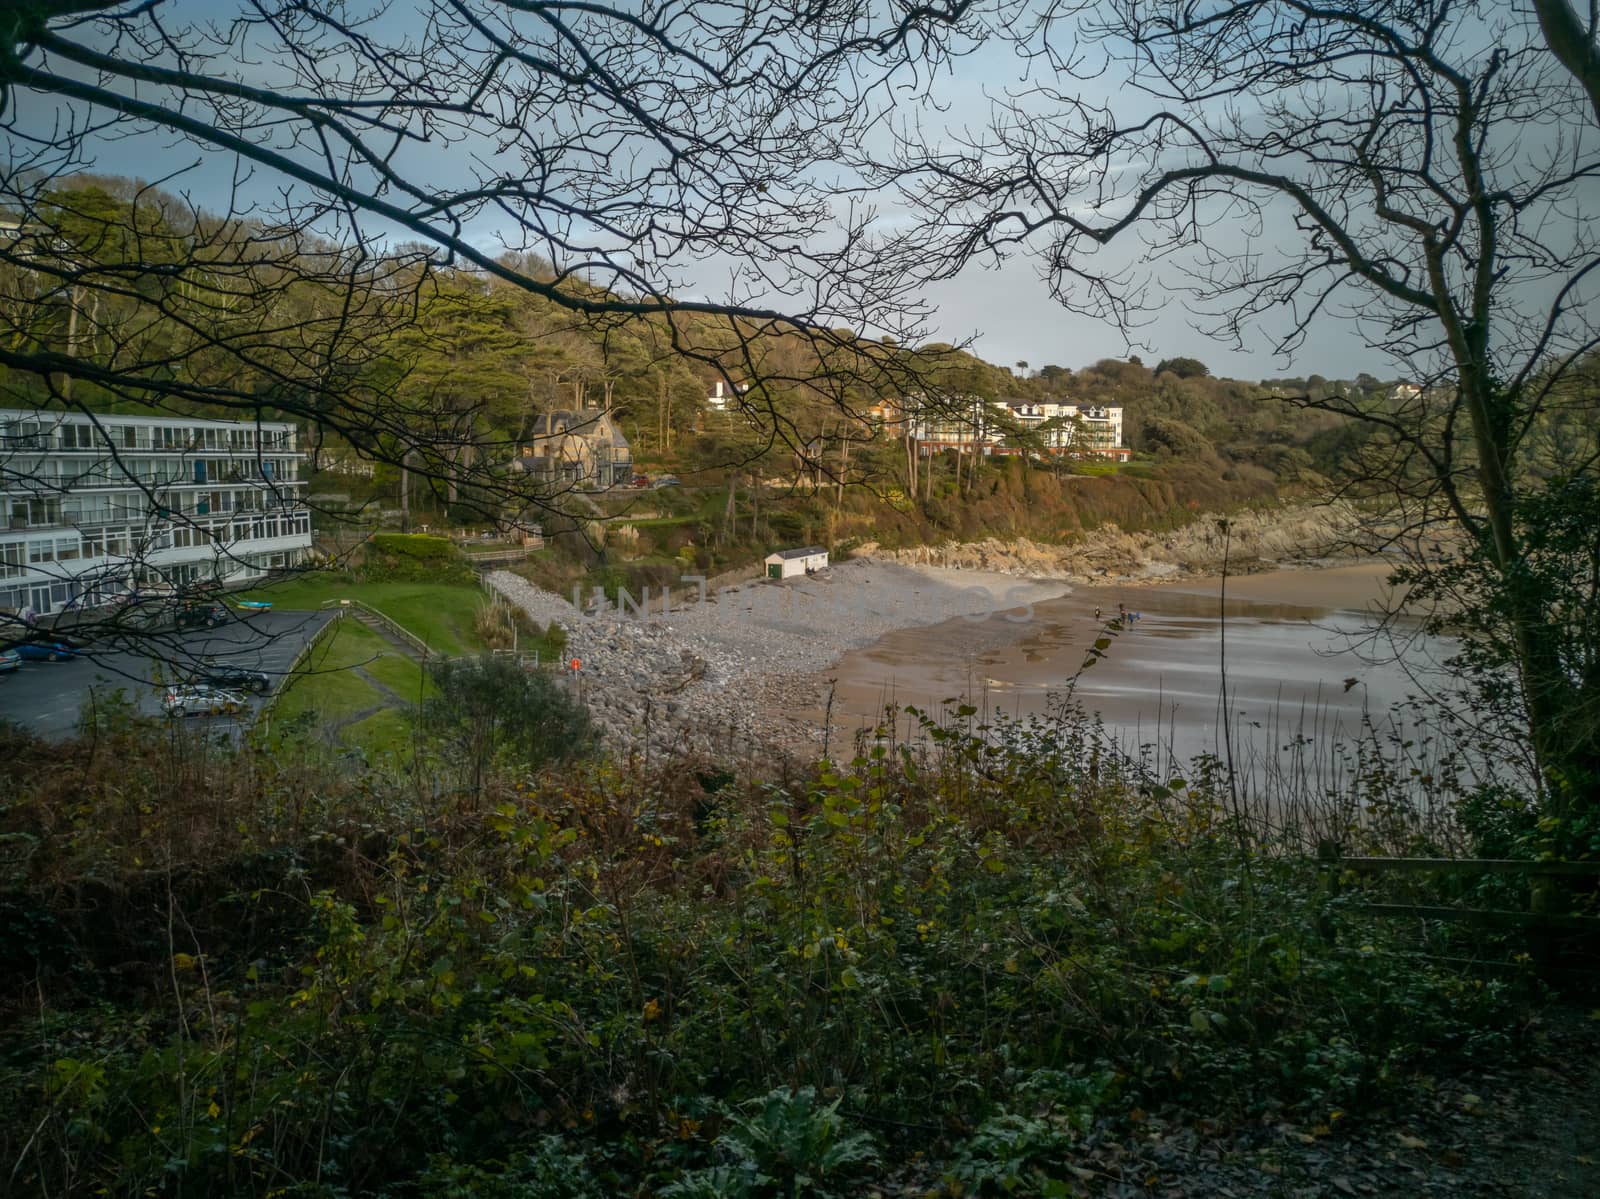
x,y
442,614
400,674
388,732
331,691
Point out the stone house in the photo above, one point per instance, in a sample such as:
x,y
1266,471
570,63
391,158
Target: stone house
x,y
578,448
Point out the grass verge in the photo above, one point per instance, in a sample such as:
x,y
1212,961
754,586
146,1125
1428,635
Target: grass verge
x,y
337,685
442,614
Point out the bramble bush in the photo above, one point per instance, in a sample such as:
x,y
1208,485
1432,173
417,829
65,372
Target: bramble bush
x,y
939,964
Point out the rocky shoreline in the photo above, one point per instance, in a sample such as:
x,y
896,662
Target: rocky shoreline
x,y
714,674
1254,541
708,676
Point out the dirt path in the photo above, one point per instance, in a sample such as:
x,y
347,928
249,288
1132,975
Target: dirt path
x,y
332,728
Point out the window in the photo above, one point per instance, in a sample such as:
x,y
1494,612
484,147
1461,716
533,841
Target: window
x,y
12,555
68,549
77,436
41,551
44,512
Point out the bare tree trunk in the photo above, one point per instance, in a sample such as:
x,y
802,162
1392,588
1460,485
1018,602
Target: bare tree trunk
x,y
662,420
405,494
844,468
72,340
1572,44
727,512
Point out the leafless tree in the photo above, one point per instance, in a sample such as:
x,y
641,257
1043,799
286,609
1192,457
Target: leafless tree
x,y
313,168
1425,170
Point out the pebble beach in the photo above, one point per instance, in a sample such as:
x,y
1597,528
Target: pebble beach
x,y
715,672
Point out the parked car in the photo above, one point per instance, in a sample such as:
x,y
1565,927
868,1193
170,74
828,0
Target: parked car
x,y
9,660
234,678
202,616
199,700
666,481
45,651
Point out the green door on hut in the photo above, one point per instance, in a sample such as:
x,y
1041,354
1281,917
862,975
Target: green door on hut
x,y
775,570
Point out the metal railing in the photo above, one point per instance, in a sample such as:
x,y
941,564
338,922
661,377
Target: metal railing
x,y
399,631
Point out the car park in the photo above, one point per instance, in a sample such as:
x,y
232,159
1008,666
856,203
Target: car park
x,y
202,616
234,678
45,651
200,700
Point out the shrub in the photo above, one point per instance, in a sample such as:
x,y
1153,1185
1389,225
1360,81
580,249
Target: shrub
x,y
490,711
413,558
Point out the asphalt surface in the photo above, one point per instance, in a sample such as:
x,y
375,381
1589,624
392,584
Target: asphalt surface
x,y
48,697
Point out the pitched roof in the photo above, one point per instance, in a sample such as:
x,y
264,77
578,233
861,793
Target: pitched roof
x,y
593,423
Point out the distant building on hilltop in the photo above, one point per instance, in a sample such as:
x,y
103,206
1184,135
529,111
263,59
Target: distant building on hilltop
x,y
987,427
721,396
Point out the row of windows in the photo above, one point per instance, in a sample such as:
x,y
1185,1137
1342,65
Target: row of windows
x,y
15,556
45,512
36,434
64,476
95,590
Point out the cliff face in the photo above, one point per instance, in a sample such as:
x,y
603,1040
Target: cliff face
x,y
1256,540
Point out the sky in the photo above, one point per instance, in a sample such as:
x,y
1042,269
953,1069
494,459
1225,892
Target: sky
x,y
1004,311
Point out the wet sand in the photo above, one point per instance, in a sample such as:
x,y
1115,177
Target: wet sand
x,y
1294,639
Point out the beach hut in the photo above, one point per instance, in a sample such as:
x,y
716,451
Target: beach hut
x,y
786,564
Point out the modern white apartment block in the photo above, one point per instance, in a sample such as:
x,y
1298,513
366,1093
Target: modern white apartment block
x,y
976,425
95,508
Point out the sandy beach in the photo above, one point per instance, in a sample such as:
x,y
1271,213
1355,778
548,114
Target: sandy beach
x,y
750,668
1297,656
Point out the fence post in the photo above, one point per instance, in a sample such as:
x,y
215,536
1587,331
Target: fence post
x,y
1328,855
1541,943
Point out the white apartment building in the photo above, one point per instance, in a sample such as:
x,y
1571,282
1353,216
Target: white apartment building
x,y
92,509
1075,429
